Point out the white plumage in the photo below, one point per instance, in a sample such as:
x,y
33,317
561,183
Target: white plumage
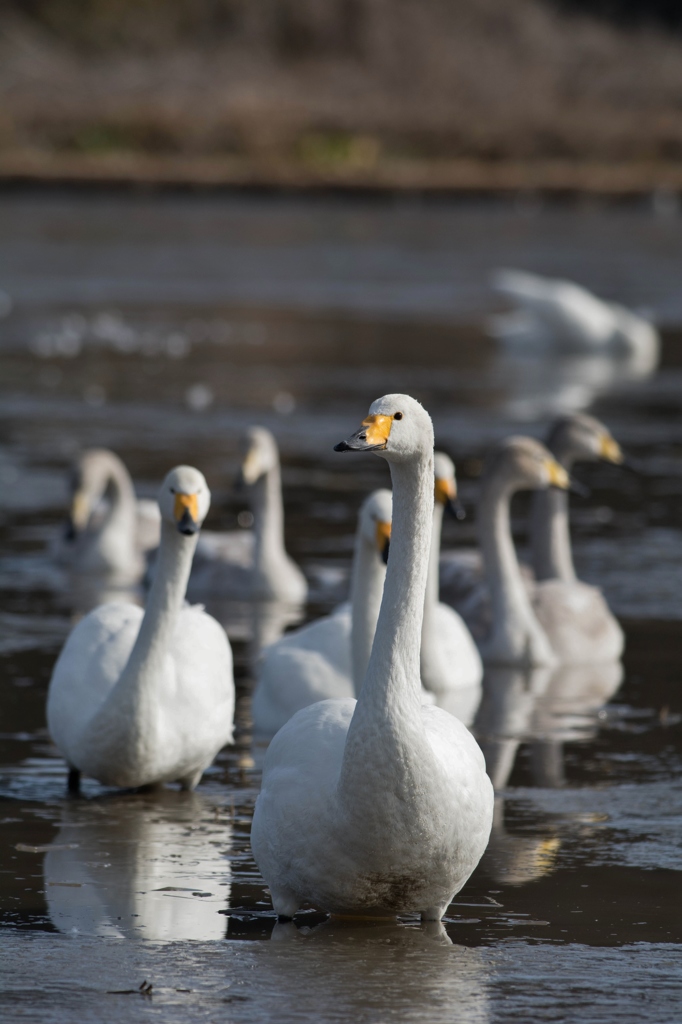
x,y
380,805
139,698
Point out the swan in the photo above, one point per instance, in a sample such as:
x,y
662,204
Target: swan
x,y
380,805
109,530
574,615
565,316
498,608
252,565
141,698
324,659
329,657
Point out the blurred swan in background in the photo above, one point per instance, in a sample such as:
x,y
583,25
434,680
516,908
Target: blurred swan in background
x,y
252,564
565,316
140,698
574,615
329,657
380,805
148,866
322,660
489,589
110,530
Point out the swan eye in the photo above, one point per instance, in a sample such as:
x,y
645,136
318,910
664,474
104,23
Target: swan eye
x,y
172,490
397,416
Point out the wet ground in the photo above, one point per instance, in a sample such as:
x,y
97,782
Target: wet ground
x,y
160,328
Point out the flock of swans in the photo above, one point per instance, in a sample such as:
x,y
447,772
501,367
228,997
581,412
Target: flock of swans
x,y
375,797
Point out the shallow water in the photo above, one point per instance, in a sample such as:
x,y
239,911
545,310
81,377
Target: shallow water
x,y
160,328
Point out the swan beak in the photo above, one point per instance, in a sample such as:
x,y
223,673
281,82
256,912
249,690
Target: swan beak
x,y
372,436
610,450
186,512
383,538
80,513
251,469
558,477
446,493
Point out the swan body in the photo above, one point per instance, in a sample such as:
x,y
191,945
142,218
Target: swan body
x,y
380,805
574,615
142,698
561,314
499,610
110,530
252,565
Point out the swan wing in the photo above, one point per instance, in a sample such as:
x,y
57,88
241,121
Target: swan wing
x,y
88,668
577,621
570,313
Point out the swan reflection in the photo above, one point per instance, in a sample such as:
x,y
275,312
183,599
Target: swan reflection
x,y
545,707
146,866
373,965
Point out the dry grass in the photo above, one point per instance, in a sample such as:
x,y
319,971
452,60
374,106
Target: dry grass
x,y
335,83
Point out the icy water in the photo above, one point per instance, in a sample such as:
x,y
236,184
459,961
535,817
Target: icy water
x,y
160,327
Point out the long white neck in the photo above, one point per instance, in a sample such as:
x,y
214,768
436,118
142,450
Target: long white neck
x,y
431,671
386,738
512,614
551,553
367,587
268,513
124,725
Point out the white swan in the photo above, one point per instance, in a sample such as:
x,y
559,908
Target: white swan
x,y
329,657
110,530
563,315
574,615
252,565
498,608
326,658
139,698
380,805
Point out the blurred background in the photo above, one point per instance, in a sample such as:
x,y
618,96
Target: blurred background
x,y
433,93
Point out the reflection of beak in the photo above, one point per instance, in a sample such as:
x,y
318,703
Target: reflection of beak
x,y
250,470
80,514
383,538
372,436
558,477
445,492
610,450
186,512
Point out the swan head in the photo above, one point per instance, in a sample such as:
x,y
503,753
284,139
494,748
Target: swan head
x,y
583,438
184,499
524,464
445,488
374,521
91,478
259,454
397,427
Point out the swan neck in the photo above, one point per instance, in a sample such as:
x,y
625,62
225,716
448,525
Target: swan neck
x,y
367,587
551,554
387,727
509,599
268,513
136,695
432,581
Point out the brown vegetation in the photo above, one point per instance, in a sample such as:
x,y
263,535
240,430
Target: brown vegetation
x,y
342,85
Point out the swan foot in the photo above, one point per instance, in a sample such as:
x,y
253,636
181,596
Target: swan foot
x,y
433,913
190,782
285,902
73,784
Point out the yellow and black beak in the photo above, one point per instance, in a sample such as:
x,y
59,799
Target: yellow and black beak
x,y
558,477
445,492
79,515
610,450
371,437
383,539
186,512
